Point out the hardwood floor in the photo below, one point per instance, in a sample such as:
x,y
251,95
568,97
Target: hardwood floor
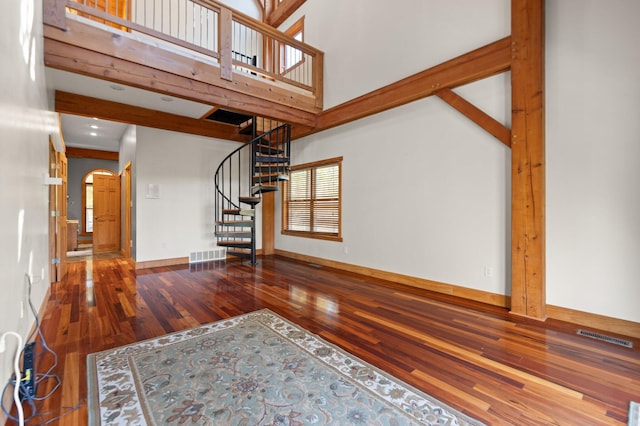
x,y
494,367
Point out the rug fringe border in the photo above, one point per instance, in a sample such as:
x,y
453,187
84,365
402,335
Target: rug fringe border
x,y
93,397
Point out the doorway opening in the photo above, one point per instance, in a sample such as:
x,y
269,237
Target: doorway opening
x,y
98,230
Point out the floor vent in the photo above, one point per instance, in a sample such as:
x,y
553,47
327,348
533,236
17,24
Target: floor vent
x,y
608,339
218,253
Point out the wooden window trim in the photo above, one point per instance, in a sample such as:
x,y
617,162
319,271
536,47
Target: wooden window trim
x,y
285,204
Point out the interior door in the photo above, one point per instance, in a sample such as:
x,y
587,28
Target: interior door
x,y
106,213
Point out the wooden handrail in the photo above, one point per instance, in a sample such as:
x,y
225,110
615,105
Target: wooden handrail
x,y
275,34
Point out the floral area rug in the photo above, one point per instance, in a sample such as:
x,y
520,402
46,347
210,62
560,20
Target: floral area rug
x,y
254,369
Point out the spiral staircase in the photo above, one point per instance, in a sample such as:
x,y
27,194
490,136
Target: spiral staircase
x,y
240,180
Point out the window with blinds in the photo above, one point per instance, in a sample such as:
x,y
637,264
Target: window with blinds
x,y
312,200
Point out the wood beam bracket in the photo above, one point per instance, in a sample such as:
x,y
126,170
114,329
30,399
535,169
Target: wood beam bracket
x,y
475,114
486,61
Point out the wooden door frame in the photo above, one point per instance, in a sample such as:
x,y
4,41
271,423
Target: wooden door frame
x,y
53,254
126,210
59,212
83,199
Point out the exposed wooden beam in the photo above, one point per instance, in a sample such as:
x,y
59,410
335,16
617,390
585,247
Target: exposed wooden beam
x,y
481,63
475,114
94,52
102,66
70,103
269,6
528,289
72,152
283,11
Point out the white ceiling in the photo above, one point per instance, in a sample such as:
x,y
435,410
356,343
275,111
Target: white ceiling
x,y
92,133
77,131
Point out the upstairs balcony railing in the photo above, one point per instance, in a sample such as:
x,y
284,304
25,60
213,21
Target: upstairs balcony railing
x,y
236,42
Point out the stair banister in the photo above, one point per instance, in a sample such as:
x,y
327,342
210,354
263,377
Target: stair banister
x,y
235,225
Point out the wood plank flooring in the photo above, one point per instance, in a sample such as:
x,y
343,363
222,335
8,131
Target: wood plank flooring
x,y
492,366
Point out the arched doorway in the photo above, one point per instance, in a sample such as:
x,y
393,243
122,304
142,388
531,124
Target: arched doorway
x,y
101,209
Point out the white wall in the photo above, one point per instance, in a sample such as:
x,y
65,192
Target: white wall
x,y
369,44
423,195
182,219
248,7
453,178
24,126
128,154
424,189
593,148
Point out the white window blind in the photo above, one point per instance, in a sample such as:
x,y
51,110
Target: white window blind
x,y
313,200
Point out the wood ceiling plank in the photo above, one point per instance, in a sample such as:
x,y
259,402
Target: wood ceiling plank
x,y
69,103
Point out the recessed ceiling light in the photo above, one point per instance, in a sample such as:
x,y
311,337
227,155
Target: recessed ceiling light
x,y
93,126
116,87
167,99
93,134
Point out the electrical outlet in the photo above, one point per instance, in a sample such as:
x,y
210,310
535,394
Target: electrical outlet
x,y
488,271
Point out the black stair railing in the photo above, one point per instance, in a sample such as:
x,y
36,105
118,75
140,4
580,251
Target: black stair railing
x,y
240,180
